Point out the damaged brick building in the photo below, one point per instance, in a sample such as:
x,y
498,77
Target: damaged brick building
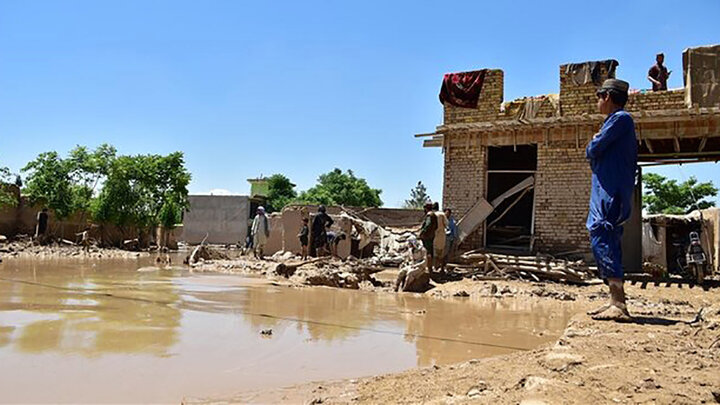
x,y
527,157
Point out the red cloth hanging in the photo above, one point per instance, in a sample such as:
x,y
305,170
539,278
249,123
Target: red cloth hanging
x,y
462,89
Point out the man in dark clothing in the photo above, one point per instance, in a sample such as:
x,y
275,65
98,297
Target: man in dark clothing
x,y
42,226
304,236
321,221
613,159
658,74
427,233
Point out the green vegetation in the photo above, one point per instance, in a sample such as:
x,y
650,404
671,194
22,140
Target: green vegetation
x,y
281,192
665,196
142,191
418,197
338,188
7,197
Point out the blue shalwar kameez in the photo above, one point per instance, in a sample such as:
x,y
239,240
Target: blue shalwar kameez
x,y
613,160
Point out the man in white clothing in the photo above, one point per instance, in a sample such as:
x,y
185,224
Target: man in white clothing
x,y
260,232
439,241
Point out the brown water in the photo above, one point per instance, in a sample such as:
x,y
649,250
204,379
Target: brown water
x,y
106,332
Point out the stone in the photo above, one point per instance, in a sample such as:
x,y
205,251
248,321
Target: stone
x,y
414,280
489,289
533,382
461,293
561,361
477,389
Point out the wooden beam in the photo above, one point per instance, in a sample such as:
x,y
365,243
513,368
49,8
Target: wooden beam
x,y
649,145
703,141
676,142
528,182
512,204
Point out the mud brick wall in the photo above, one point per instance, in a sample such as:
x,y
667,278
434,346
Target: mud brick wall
x,y
656,100
562,194
578,100
489,102
464,180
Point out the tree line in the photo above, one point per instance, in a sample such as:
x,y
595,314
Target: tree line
x,y
142,191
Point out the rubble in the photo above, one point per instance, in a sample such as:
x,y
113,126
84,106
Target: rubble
x,y
203,253
478,265
22,246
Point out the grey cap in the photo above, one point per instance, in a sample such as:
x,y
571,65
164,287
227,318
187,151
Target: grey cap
x,y
614,84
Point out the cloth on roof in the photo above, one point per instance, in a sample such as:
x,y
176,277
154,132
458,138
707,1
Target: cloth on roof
x,y
462,89
613,159
589,72
531,108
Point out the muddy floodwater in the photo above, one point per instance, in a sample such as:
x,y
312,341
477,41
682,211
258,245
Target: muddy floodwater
x,y
83,331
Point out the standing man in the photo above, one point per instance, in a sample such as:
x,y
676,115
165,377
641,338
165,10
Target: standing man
x,y
427,234
260,232
439,241
613,159
658,74
319,231
450,234
42,226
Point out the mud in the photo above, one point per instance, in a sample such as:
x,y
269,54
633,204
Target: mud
x,y
102,331
669,354
25,249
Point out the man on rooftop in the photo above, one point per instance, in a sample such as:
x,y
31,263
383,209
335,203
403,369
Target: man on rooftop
x,y
658,74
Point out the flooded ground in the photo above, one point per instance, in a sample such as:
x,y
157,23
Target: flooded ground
x,y
105,332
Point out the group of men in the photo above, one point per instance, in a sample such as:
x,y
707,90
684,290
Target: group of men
x,y
438,233
324,241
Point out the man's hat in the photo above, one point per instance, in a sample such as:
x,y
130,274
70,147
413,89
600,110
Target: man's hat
x,y
614,84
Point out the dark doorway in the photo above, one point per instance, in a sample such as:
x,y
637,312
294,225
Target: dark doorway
x,y
510,226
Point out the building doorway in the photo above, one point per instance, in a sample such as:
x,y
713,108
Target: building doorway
x,y
511,224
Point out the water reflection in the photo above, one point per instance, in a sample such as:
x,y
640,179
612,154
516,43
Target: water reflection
x,y
156,336
85,311
442,331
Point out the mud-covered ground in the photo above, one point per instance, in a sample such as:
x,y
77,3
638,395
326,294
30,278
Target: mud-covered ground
x,y
26,249
669,354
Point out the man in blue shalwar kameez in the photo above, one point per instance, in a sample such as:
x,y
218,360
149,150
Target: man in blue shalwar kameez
x,y
613,159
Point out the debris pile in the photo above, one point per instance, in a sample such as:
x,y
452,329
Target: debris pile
x,y
536,268
325,271
203,253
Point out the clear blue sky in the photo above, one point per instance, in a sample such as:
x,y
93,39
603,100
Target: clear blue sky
x,y
300,87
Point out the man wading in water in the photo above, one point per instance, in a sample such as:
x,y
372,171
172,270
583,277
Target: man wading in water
x,y
613,159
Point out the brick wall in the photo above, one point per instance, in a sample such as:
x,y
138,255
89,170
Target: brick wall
x,y
656,100
489,102
464,180
562,194
578,100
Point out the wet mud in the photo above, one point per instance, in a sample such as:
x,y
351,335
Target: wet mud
x,y
127,331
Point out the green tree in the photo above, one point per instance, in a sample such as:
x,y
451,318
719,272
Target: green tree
x,y
664,196
7,196
418,197
67,185
144,191
49,183
338,188
281,192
